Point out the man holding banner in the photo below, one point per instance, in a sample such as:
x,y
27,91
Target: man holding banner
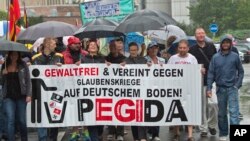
x,y
115,57
46,57
139,132
183,57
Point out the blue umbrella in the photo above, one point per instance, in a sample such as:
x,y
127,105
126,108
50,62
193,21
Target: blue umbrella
x,y
130,37
133,37
191,41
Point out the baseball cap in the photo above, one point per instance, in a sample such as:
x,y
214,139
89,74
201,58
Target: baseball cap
x,y
152,44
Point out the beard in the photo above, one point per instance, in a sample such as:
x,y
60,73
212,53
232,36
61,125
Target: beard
x,y
225,49
183,54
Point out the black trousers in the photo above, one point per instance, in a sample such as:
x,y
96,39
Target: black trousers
x,y
116,130
139,132
53,133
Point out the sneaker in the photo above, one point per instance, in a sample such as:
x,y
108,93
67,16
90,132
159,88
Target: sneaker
x,y
203,134
74,136
110,138
119,138
156,139
223,138
212,131
190,139
85,135
125,132
240,116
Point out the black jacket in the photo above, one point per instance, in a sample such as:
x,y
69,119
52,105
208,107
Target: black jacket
x,y
136,60
24,80
93,59
52,59
116,60
209,50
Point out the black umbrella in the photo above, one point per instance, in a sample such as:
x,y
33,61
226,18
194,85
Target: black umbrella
x,y
162,16
12,46
47,29
98,28
141,23
145,20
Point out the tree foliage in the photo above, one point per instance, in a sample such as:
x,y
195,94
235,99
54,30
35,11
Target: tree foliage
x,y
31,21
3,15
228,14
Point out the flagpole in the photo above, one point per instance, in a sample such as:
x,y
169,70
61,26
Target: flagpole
x,y
8,8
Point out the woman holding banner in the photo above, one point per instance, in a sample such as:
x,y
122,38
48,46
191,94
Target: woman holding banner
x,y
95,132
16,92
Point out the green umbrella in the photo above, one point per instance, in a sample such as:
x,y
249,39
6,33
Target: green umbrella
x,y
12,46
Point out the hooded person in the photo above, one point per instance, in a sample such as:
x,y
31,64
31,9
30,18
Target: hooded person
x,y
74,52
234,49
226,71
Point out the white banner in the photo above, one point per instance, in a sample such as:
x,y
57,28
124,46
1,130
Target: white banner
x,y
97,94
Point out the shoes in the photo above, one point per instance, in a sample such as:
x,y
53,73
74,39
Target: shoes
x,y
212,131
156,139
85,135
110,138
119,138
5,137
223,138
74,136
190,139
240,116
203,134
125,132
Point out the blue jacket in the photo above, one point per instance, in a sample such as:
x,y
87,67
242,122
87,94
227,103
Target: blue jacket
x,y
225,70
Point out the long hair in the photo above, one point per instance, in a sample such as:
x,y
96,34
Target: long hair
x,y
8,60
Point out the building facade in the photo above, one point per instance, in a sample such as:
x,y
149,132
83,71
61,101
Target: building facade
x,y
178,9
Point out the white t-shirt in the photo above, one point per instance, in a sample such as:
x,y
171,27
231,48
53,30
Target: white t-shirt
x,y
176,59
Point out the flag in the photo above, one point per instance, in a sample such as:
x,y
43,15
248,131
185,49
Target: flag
x,y
25,18
14,15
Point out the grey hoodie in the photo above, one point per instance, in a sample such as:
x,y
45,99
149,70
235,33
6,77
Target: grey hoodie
x,y
225,69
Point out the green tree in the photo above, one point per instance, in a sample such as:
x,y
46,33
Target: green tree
x,y
222,12
243,14
31,21
3,15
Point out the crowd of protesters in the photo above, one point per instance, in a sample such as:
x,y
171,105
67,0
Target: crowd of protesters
x,y
223,67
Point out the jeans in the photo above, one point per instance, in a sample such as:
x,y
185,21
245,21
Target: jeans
x,y
227,98
16,109
43,134
94,132
2,119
